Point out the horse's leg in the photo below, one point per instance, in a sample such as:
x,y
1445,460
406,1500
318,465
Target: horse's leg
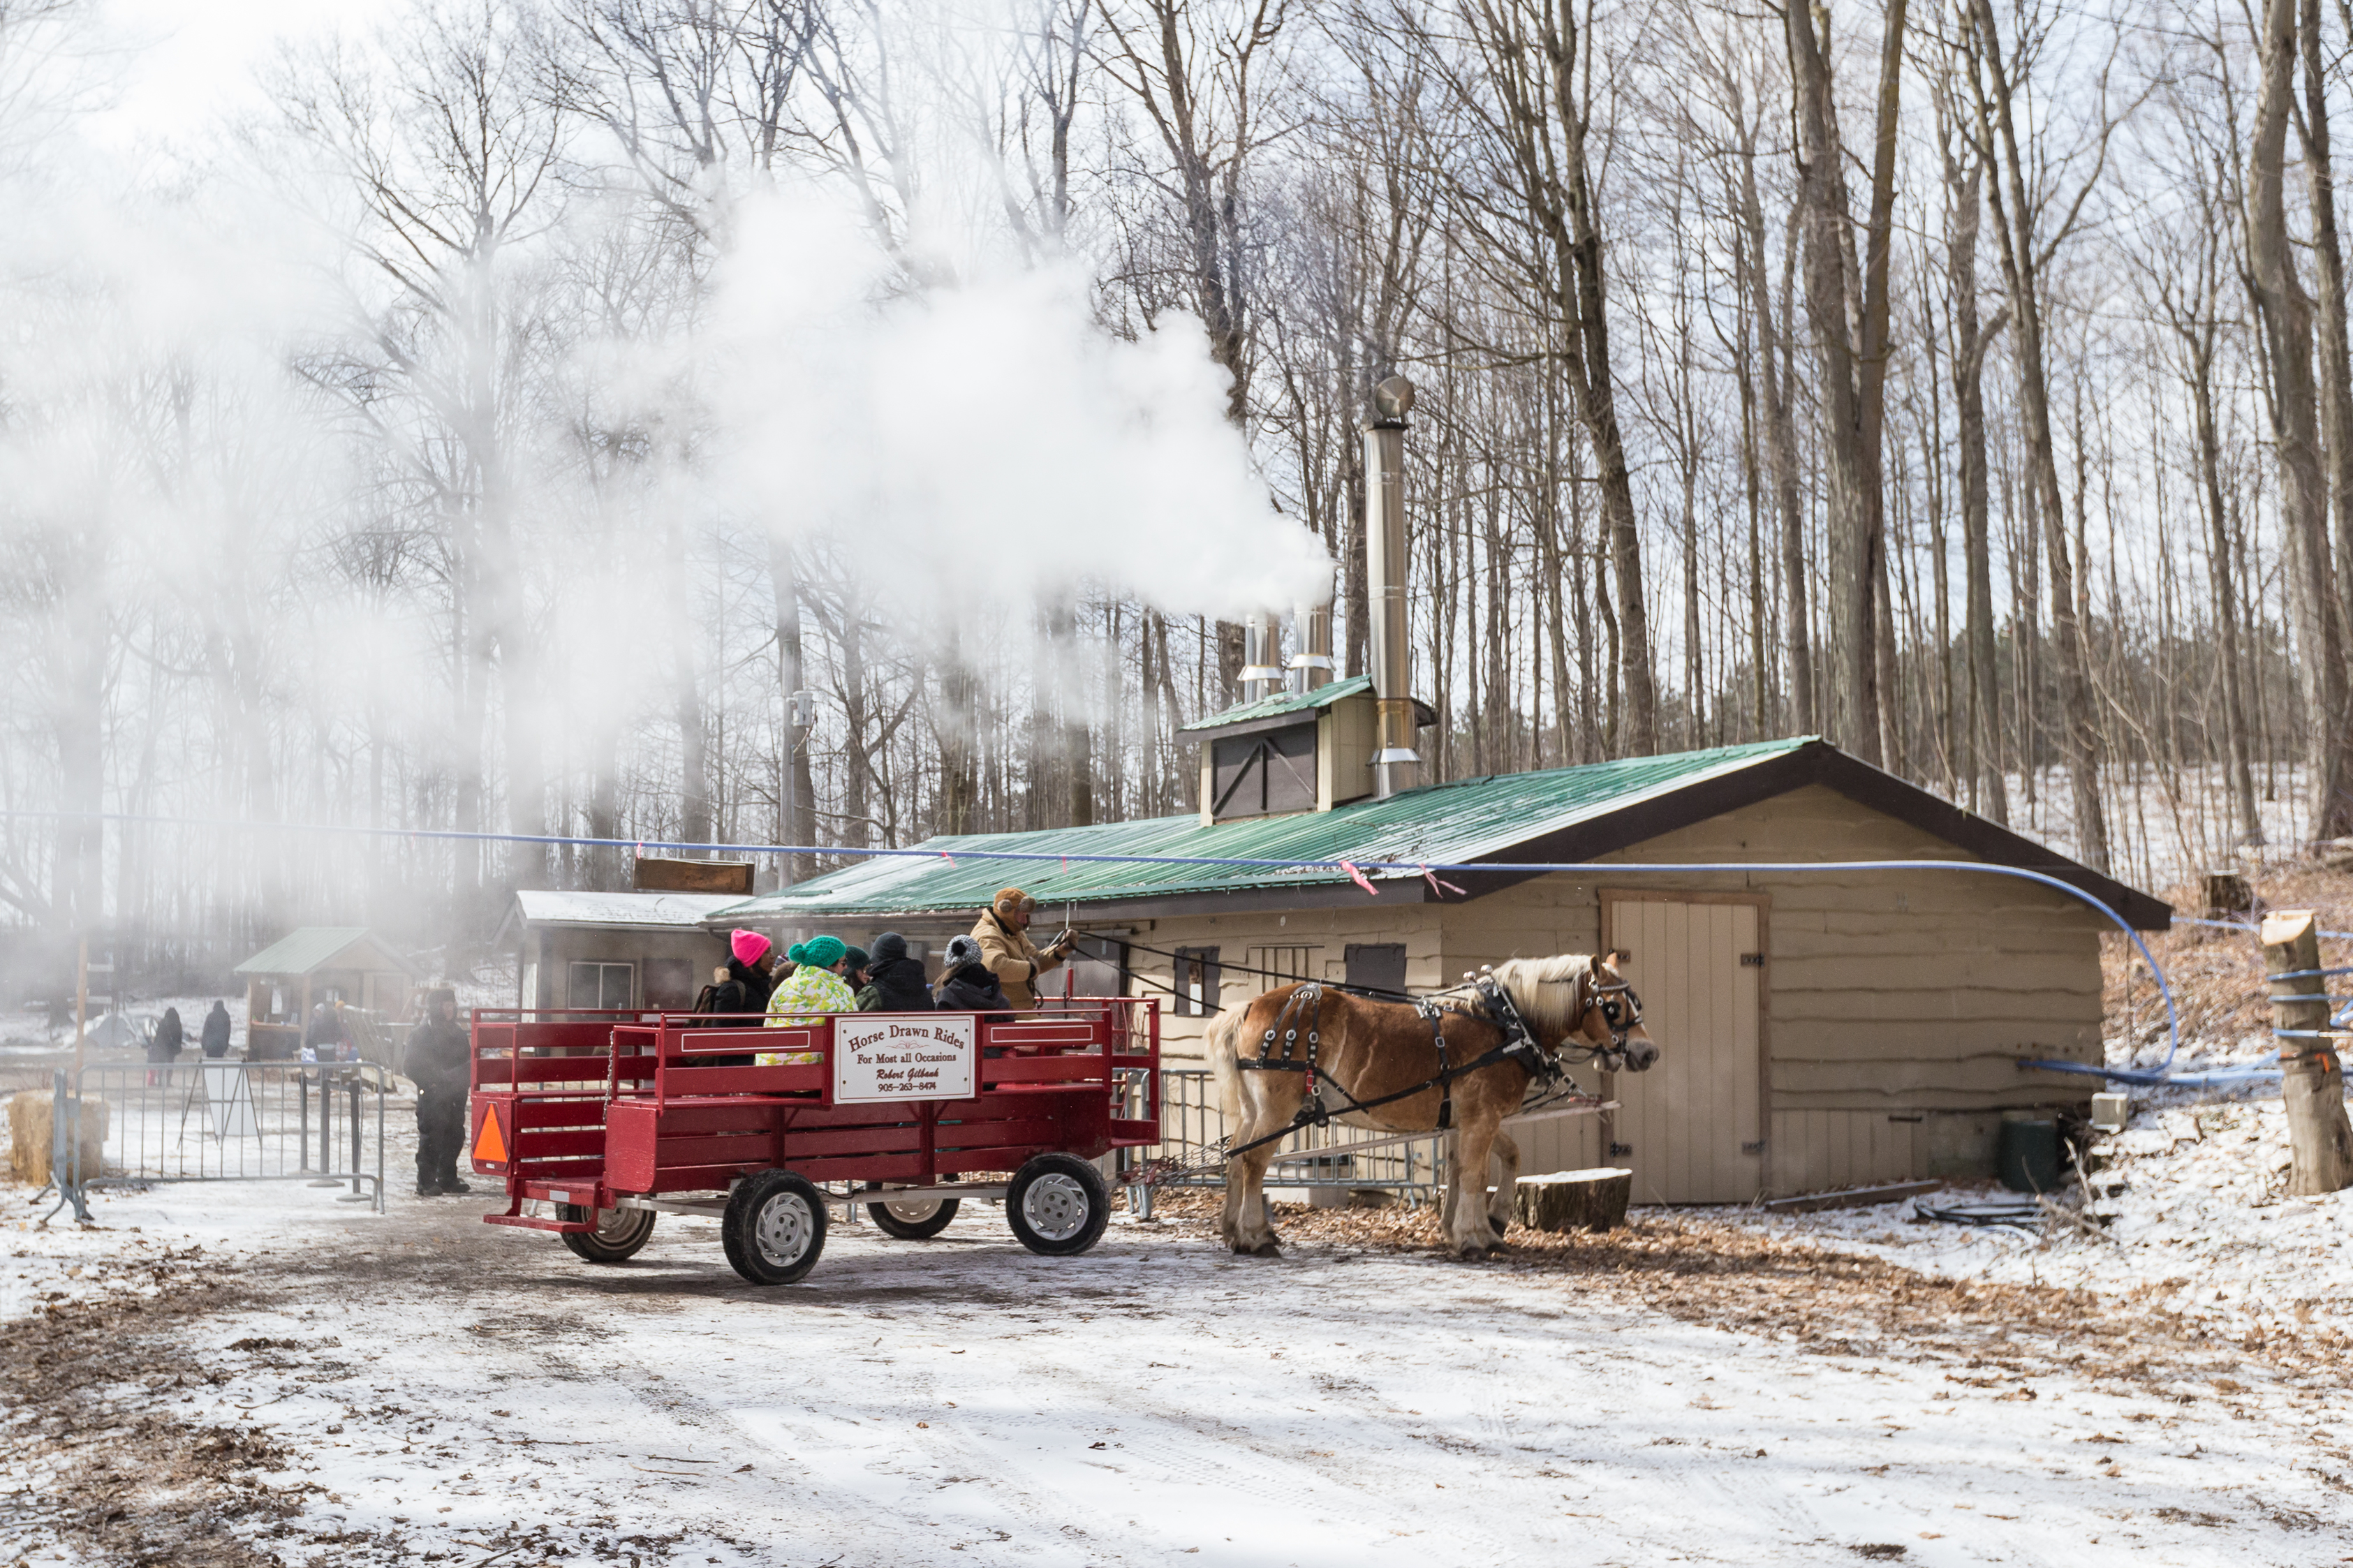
x,y
1267,1101
1467,1225
1264,1243
1505,1169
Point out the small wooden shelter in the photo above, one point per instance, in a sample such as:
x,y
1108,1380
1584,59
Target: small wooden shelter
x,y
618,950
319,963
1819,1029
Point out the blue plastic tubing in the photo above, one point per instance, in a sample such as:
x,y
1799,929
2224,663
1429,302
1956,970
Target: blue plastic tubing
x,y
1396,868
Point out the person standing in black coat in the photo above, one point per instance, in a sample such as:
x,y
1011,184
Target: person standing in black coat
x,y
440,1061
894,982
215,1036
969,985
170,1036
164,1044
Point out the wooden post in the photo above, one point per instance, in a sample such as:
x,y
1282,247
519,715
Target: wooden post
x,y
2312,1081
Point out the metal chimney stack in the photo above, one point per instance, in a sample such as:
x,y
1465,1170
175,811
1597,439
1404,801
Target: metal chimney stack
x,y
1396,764
1311,666
1262,656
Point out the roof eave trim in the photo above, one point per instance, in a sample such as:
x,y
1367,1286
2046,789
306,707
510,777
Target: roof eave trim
x,y
1815,763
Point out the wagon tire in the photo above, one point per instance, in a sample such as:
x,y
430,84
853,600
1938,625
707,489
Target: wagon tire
x,y
774,1228
1058,1205
621,1234
918,1221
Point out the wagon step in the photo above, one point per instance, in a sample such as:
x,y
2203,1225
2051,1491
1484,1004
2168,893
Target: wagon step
x,y
533,1222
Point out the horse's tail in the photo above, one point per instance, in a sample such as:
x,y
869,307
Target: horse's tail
x,y
1222,1040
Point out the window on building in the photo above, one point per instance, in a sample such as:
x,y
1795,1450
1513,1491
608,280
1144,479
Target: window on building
x,y
1198,979
609,987
1377,966
1261,774
1279,966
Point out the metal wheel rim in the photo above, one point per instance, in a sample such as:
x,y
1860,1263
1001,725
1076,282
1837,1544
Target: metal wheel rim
x,y
915,1211
783,1230
615,1225
1056,1207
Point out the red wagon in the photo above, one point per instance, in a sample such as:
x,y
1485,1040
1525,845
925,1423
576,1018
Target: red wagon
x,y
614,1118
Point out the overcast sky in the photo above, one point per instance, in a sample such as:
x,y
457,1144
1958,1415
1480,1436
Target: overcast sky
x,y
181,62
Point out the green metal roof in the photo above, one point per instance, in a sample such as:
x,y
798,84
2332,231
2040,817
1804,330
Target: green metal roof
x,y
1466,820
1282,702
307,948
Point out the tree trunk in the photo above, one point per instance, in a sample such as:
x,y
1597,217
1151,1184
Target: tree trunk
x,y
800,824
2007,197
1850,317
2304,504
1970,346
2312,1080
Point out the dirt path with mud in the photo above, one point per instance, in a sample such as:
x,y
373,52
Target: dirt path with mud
x,y
296,1386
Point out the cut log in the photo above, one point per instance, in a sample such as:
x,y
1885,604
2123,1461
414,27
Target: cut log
x,y
1575,1200
2312,1080
32,1134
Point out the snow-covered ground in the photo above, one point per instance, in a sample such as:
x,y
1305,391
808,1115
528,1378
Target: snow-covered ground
x,y
2196,1225
260,1374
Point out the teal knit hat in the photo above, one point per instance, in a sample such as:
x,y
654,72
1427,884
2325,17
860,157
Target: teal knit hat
x,y
796,954
825,952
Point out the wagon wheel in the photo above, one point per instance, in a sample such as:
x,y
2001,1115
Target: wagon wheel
x,y
621,1234
916,1219
1058,1205
774,1227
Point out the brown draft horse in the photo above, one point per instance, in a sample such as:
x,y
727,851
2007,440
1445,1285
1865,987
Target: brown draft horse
x,y
1368,1049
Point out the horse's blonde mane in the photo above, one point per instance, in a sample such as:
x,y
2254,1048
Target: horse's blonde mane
x,y
1543,988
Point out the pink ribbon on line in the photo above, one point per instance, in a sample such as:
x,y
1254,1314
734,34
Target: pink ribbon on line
x,y
1436,883
1359,878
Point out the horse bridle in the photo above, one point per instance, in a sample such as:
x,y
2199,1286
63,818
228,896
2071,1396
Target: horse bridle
x,y
1621,1011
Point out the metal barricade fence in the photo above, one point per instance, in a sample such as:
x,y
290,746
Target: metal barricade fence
x,y
1192,1121
214,1120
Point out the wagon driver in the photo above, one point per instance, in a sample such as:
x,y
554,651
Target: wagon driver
x,y
1003,932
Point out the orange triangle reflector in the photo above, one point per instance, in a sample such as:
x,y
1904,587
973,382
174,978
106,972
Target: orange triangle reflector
x,y
491,1144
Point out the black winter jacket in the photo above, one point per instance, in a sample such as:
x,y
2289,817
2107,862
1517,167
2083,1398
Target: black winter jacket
x,y
896,986
168,1039
217,1031
440,1060
973,989
745,990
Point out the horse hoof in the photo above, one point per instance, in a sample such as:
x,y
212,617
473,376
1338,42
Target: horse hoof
x,y
1267,1248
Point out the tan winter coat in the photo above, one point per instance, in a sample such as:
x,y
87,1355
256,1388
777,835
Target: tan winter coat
x,y
1012,957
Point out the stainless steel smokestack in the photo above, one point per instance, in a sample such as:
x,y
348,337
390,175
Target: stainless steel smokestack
x,y
1311,666
1262,656
1396,764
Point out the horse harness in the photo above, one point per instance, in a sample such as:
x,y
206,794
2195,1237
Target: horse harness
x,y
1302,1011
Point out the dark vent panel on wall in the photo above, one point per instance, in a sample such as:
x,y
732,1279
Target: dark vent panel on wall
x,y
1262,774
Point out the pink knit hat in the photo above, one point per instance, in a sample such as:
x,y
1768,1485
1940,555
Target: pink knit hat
x,y
747,945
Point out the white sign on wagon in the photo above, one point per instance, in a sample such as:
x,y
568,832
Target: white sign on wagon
x,y
903,1056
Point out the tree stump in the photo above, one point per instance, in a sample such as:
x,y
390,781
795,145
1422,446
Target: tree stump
x,y
1575,1200
2312,1080
2228,893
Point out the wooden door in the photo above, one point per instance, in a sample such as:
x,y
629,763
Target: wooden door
x,y
1693,1128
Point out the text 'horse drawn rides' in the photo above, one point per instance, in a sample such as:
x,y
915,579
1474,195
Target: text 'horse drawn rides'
x,y
1460,1060
613,1118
